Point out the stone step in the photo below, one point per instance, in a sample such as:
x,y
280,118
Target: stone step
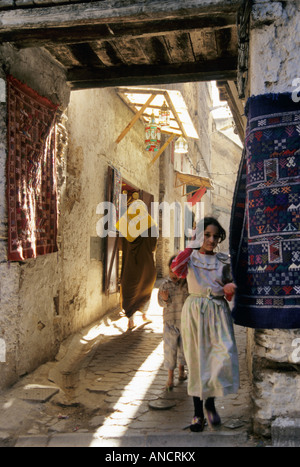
x,y
155,440
286,432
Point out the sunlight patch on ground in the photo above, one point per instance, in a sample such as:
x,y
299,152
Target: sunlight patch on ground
x,y
111,327
136,390
134,394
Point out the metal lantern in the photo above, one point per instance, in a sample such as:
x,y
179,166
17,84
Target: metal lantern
x,y
181,145
152,135
164,115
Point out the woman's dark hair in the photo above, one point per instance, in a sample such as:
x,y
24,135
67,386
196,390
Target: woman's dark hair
x,y
213,221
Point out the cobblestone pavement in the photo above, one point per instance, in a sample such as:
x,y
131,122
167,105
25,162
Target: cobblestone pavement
x,y
107,388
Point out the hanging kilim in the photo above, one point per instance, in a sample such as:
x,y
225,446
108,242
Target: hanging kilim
x,y
265,223
31,175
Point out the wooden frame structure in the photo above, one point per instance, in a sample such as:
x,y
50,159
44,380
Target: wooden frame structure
x,y
145,101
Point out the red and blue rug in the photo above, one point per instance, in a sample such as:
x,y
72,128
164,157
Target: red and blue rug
x,y
265,223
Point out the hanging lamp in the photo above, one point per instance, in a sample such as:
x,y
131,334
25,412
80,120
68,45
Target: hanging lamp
x,y
164,115
152,135
181,145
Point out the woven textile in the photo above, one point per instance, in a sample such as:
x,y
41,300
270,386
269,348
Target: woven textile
x,y
265,224
31,175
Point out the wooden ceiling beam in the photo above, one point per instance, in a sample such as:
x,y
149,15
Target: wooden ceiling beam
x,y
111,11
53,36
219,69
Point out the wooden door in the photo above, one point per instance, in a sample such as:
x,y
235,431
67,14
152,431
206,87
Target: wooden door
x,y
111,262
147,198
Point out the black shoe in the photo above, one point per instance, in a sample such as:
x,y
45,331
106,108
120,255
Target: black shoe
x,y
197,424
213,418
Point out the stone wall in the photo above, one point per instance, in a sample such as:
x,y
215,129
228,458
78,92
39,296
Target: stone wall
x,y
28,290
275,376
274,59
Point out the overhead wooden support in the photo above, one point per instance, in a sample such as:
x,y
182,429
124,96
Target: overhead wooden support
x,y
147,101
109,43
86,77
170,103
42,14
135,118
171,137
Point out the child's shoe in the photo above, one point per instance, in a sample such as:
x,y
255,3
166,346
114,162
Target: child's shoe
x,y
182,377
213,418
169,385
197,424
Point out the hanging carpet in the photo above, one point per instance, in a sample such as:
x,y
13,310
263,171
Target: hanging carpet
x,y
265,222
31,175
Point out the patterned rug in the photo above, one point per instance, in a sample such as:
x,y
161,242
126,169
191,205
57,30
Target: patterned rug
x,y
31,175
265,223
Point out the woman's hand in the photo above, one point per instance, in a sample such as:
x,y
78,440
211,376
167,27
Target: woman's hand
x,y
229,290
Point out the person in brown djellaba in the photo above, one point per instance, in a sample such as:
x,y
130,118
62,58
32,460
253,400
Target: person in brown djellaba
x,y
138,242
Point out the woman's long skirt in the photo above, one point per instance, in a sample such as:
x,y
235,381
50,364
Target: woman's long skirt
x,y
209,347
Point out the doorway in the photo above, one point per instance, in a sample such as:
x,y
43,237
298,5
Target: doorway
x,y
113,253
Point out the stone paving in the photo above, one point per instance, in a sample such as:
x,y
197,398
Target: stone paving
x,y
107,388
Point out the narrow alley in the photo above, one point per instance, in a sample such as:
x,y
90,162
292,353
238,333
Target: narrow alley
x,y
192,109
106,388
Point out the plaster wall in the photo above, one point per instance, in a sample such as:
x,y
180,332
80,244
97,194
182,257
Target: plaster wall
x,y
274,65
